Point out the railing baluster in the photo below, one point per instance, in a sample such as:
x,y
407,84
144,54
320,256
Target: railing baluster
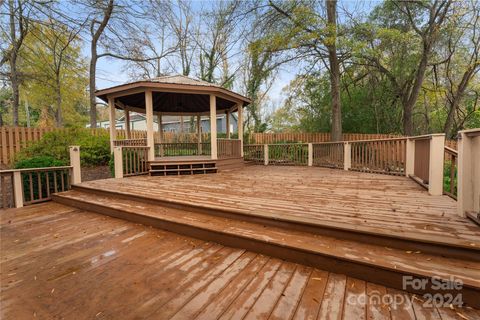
x,y
30,182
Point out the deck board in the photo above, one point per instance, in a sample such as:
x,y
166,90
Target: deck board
x,y
60,262
377,204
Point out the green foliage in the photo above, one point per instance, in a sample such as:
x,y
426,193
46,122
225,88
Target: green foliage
x,y
94,150
111,165
447,181
39,162
56,69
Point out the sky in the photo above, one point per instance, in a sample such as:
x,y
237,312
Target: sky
x,y
110,72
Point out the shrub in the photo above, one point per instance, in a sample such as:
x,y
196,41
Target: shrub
x,y
94,150
111,165
39,162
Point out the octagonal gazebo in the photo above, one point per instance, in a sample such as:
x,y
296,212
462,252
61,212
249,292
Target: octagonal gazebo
x,y
178,96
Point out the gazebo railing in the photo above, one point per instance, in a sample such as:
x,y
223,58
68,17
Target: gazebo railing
x,y
129,142
182,149
226,148
229,148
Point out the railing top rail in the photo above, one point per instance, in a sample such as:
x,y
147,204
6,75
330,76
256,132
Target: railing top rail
x,y
136,139
36,169
330,142
134,147
451,151
426,136
471,132
378,140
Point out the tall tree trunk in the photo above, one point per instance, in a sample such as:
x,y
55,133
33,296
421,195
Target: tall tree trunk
x,y
58,112
15,88
94,57
92,85
409,103
457,96
336,132
13,61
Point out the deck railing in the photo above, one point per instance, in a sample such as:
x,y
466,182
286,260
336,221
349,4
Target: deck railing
x,y
328,154
229,148
28,186
425,161
287,154
385,156
226,148
129,142
254,153
468,177
450,172
421,168
182,149
21,187
135,160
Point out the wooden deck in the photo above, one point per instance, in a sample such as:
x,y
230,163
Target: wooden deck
x,y
377,228
58,262
352,201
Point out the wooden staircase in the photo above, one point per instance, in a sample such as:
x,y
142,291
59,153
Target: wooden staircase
x,y
376,258
164,168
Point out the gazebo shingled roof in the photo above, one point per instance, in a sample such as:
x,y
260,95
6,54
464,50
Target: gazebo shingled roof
x,y
173,94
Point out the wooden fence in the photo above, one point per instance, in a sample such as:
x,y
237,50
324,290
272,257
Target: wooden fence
x,y
307,137
13,139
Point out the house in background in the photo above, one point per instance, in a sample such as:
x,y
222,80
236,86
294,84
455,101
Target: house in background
x,y
172,123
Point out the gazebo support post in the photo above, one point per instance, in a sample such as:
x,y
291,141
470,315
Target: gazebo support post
x,y
160,133
240,126
149,116
199,135
111,118
227,122
213,126
127,123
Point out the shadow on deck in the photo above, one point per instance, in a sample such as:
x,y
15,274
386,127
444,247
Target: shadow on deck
x,y
377,228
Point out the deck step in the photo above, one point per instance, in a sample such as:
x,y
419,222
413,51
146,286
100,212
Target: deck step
x,y
412,241
368,261
182,168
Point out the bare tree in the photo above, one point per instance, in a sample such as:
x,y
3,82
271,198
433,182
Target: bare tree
x,y
457,85
217,42
97,27
18,23
336,133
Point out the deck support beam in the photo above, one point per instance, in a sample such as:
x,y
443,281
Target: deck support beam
x,y
468,172
265,154
112,120
437,153
347,156
160,133
240,126
213,126
227,124
199,135
17,189
410,157
149,116
310,154
75,163
118,162
127,123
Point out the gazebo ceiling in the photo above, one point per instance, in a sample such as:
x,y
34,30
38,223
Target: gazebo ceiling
x,y
173,94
